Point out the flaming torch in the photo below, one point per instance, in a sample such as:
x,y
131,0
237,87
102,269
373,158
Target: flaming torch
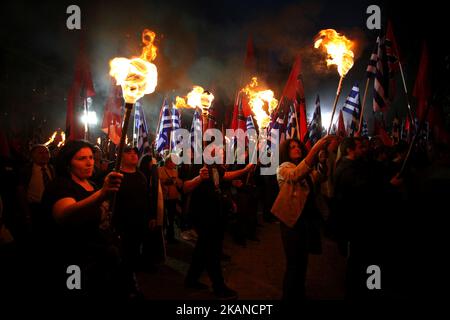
x,y
197,98
257,99
262,103
52,138
338,49
137,76
200,98
63,139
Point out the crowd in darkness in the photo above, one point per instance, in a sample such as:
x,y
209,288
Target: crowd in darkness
x,y
68,207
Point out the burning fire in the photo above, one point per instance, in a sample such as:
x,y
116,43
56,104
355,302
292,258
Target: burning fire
x,y
63,139
197,98
137,76
54,137
338,49
257,100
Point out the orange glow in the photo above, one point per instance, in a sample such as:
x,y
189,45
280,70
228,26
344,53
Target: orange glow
x,y
137,76
63,139
52,138
197,98
338,48
257,100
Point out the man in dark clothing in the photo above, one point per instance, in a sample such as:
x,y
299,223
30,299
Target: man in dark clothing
x,y
132,213
356,218
34,178
207,204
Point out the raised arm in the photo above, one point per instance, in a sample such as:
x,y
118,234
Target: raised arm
x,y
290,173
232,175
190,185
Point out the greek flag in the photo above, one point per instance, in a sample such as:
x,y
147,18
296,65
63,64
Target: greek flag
x,y
352,103
381,83
165,127
364,130
196,130
372,66
292,124
249,123
142,130
176,124
277,123
315,128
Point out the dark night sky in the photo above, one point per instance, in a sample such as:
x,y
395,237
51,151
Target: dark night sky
x,y
200,42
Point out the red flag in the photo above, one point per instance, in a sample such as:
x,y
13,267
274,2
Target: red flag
x,y
250,61
239,119
294,94
382,134
82,88
212,117
393,59
293,90
341,125
241,108
302,122
112,115
422,87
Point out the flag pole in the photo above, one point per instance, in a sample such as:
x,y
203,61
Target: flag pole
x,y
414,140
85,118
406,92
362,107
338,93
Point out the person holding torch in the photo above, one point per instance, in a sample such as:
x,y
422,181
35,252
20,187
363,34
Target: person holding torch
x,y
74,212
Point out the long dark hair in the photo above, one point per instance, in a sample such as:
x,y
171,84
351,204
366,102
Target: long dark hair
x,y
285,147
65,155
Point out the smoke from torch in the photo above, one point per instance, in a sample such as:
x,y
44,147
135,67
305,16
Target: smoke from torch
x,y
339,53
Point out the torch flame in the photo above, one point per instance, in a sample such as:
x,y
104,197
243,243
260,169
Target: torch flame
x,y
52,138
338,49
137,76
63,139
149,50
197,98
257,100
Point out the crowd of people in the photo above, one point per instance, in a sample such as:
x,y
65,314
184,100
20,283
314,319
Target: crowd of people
x,y
73,209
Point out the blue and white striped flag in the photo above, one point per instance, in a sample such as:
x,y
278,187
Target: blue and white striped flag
x,y
372,66
196,130
352,103
176,124
142,130
277,123
249,123
137,123
291,127
315,128
165,127
381,83
364,130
